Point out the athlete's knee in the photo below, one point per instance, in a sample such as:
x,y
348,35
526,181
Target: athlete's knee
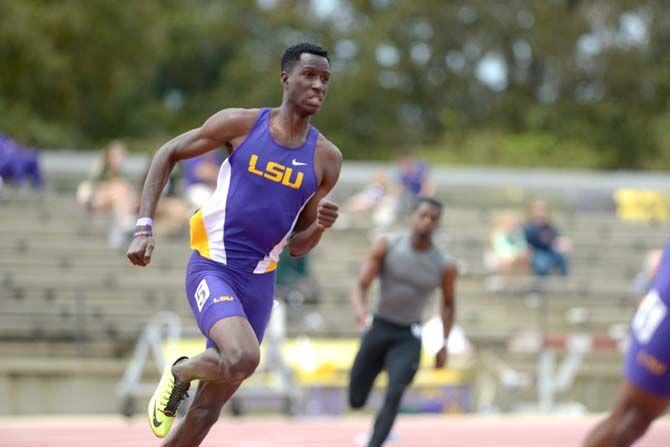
x,y
240,364
356,400
630,426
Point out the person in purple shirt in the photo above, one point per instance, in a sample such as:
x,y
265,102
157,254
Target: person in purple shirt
x,y
18,164
413,175
547,246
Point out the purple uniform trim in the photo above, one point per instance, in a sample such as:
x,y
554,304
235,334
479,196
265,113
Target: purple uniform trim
x,y
648,358
216,292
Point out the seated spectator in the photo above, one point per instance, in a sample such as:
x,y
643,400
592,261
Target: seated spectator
x,y
548,248
414,178
378,198
508,251
200,175
18,163
370,196
107,191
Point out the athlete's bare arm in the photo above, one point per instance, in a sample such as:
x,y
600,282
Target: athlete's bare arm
x,y
369,271
448,310
225,128
319,214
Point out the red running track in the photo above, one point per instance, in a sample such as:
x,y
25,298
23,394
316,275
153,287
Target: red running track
x,y
412,431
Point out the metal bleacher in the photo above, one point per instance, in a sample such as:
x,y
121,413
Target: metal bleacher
x,y
73,306
62,284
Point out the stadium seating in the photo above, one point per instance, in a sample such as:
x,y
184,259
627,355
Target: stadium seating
x,y
67,295
61,280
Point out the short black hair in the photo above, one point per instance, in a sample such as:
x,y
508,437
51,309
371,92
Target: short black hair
x,y
430,201
292,54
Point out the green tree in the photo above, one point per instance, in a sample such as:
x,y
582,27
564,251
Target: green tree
x,y
518,82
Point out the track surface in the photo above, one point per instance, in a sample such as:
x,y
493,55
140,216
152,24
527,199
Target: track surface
x,y
412,431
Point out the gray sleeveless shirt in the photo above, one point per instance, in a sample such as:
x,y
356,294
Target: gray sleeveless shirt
x,y
407,279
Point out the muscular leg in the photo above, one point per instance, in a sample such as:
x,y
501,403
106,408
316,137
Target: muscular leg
x,y
367,366
221,370
235,357
402,362
201,415
633,413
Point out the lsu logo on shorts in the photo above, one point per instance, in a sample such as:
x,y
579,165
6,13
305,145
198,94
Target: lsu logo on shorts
x,y
201,294
654,365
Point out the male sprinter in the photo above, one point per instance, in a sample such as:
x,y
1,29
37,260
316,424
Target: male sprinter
x,y
270,192
410,267
645,393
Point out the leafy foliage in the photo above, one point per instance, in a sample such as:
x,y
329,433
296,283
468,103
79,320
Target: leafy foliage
x,y
561,83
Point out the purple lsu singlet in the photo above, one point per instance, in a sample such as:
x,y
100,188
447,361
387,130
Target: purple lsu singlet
x,y
238,235
648,357
261,190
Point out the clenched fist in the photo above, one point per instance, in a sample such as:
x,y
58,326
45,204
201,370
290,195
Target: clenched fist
x,y
326,214
140,250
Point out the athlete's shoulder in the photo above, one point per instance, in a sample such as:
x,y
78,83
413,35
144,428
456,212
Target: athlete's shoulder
x,y
396,236
380,246
329,162
235,117
449,263
388,240
228,124
328,149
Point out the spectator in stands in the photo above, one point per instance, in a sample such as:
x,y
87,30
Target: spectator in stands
x,y
371,196
379,198
200,175
644,279
107,190
508,251
413,175
548,248
18,163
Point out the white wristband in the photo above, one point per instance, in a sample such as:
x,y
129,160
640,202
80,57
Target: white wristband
x,y
145,222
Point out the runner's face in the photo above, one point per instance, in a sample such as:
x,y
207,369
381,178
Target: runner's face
x,y
307,83
426,218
